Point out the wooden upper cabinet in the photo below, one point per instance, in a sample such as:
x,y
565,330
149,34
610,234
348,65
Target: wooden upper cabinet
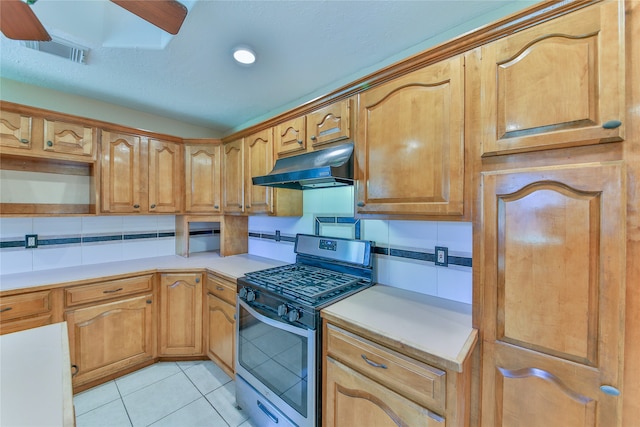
x,y
203,187
166,184
553,307
120,181
410,145
233,177
559,84
69,138
290,137
258,160
15,130
329,124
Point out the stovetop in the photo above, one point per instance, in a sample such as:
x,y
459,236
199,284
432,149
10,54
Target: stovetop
x,y
304,282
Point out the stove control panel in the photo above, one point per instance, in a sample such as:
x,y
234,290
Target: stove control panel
x,y
247,294
289,312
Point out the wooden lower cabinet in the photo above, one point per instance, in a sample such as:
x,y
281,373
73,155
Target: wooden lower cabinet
x,y
25,311
107,338
180,314
352,399
221,332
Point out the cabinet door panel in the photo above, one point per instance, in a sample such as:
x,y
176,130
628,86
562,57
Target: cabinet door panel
x,y
290,138
181,314
120,177
108,338
165,177
233,177
555,85
69,138
258,160
329,124
203,179
410,151
554,287
15,130
221,332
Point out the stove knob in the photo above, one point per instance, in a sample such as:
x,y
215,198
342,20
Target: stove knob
x,y
251,295
243,293
282,310
293,315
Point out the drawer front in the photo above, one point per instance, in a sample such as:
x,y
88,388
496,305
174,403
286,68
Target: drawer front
x,y
30,304
222,289
415,380
107,290
26,323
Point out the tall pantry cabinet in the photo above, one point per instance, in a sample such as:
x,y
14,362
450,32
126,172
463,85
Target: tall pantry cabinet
x,y
552,216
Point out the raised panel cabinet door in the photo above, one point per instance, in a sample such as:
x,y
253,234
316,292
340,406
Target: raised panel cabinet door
x,y
107,338
69,138
289,137
203,189
120,180
15,130
221,333
165,176
559,84
353,399
410,146
233,177
329,124
180,314
258,160
553,295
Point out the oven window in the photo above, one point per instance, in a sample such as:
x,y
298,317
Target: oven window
x,y
276,357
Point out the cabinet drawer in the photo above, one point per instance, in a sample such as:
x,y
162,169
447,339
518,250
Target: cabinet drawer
x,y
30,304
222,289
107,290
415,380
26,323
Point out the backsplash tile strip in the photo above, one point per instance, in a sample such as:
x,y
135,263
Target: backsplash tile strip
x,y
140,236
12,244
402,253
93,239
59,241
380,250
168,234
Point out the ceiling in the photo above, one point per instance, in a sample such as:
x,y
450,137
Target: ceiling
x,y
304,49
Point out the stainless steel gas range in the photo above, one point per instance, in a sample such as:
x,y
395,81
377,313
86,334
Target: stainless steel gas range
x,y
278,365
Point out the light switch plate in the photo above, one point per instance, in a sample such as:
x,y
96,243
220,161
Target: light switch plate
x,y
30,241
442,256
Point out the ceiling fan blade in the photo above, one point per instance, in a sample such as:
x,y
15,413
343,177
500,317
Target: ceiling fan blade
x,y
18,22
165,14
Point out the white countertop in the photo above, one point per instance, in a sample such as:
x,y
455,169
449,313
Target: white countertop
x,y
232,266
36,378
435,329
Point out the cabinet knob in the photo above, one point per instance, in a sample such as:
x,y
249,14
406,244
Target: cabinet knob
x,y
610,390
312,137
248,206
49,144
216,207
75,370
300,141
612,124
136,206
360,204
197,280
149,301
24,141
153,206
240,206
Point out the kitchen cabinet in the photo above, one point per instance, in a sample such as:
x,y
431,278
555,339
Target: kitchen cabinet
x,y
29,310
140,175
248,157
558,84
410,145
180,314
203,174
24,132
290,137
369,384
553,309
220,334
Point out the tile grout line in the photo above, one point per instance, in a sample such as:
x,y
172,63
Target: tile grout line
x,y
205,397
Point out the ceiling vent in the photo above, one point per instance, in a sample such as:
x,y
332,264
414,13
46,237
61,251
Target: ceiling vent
x,y
61,48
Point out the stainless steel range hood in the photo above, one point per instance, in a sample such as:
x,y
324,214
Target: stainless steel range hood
x,y
331,167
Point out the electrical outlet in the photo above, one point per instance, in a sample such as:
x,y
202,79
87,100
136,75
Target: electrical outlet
x,y
442,256
30,241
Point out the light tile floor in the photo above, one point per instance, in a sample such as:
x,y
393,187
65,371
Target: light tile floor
x,y
167,394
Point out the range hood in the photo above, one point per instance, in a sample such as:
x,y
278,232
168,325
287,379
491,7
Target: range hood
x,y
331,167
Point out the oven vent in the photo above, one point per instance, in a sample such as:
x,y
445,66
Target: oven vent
x,y
60,48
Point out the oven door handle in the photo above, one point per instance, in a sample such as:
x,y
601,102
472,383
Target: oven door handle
x,y
275,323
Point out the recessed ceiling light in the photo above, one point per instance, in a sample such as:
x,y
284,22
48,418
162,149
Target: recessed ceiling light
x,y
244,55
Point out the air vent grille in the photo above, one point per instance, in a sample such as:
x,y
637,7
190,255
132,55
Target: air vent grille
x,y
60,48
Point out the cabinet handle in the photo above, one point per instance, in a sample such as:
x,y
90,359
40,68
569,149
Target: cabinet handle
x,y
112,291
24,141
6,309
248,206
216,207
360,204
219,288
240,206
177,282
136,206
153,206
612,124
313,137
49,144
268,413
76,369
372,363
610,390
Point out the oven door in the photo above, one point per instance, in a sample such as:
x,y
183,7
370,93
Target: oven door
x,y
278,360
